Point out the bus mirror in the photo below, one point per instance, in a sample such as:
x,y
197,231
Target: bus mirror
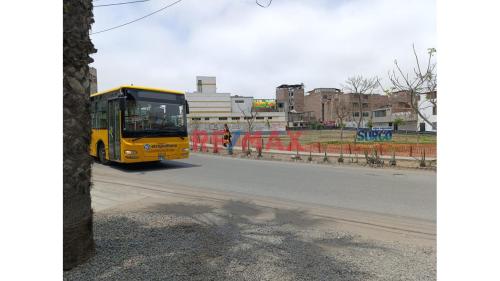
x,y
187,107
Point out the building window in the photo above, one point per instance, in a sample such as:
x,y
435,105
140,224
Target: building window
x,y
355,114
366,114
434,125
259,118
235,118
365,105
269,118
239,101
434,110
207,118
355,104
199,86
422,127
380,113
248,118
222,118
196,119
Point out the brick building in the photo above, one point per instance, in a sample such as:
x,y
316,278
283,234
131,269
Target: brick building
x,y
320,102
324,103
367,105
292,96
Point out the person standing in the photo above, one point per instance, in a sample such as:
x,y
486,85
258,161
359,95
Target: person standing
x,y
226,138
226,141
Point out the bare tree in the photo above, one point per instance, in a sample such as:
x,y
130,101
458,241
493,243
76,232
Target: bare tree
x,y
421,83
249,117
342,113
360,87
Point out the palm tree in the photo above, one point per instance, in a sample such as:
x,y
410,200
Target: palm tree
x,y
78,240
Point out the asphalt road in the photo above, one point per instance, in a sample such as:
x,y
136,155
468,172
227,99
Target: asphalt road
x,y
401,193
220,218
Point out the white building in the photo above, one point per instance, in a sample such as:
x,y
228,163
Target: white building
x,y
209,110
429,111
206,84
241,104
263,121
209,103
384,117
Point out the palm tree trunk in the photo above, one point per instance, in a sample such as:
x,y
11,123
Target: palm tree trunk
x,y
78,241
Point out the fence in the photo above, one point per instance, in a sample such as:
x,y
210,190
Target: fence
x,y
293,143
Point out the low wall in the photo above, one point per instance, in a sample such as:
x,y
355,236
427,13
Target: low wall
x,y
314,157
290,141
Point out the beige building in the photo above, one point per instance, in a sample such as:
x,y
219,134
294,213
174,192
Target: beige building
x,y
320,103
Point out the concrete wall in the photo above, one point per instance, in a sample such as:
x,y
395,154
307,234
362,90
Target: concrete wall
x,y
426,108
265,121
93,80
206,84
410,121
206,103
241,104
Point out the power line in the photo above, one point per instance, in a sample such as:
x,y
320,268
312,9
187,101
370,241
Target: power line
x,y
121,3
138,19
269,4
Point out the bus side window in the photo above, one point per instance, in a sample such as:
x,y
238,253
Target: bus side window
x,y
93,115
102,116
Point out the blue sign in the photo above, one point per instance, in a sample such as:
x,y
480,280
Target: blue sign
x,y
374,134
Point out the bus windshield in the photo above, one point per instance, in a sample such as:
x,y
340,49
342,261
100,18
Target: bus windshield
x,y
149,113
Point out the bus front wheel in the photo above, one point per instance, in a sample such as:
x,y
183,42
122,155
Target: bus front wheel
x,y
101,154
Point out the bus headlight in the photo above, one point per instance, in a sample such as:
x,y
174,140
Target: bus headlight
x,y
185,149
130,152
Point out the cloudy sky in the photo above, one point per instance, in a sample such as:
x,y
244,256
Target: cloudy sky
x,y
252,50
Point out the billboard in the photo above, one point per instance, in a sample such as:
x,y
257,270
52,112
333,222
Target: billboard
x,y
264,104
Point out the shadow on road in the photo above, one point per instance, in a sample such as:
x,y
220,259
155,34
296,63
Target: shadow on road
x,y
151,166
238,241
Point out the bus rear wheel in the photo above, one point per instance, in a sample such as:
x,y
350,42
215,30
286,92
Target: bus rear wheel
x,y
101,154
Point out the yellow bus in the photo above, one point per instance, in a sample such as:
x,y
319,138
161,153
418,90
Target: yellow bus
x,y
133,124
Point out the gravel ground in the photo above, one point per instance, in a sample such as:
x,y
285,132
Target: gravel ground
x,y
241,241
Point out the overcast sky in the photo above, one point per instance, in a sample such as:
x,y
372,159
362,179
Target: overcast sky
x,y
252,50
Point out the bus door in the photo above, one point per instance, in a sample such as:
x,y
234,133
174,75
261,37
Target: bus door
x,y
114,129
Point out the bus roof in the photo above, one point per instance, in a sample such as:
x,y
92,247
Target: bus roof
x,y
139,88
